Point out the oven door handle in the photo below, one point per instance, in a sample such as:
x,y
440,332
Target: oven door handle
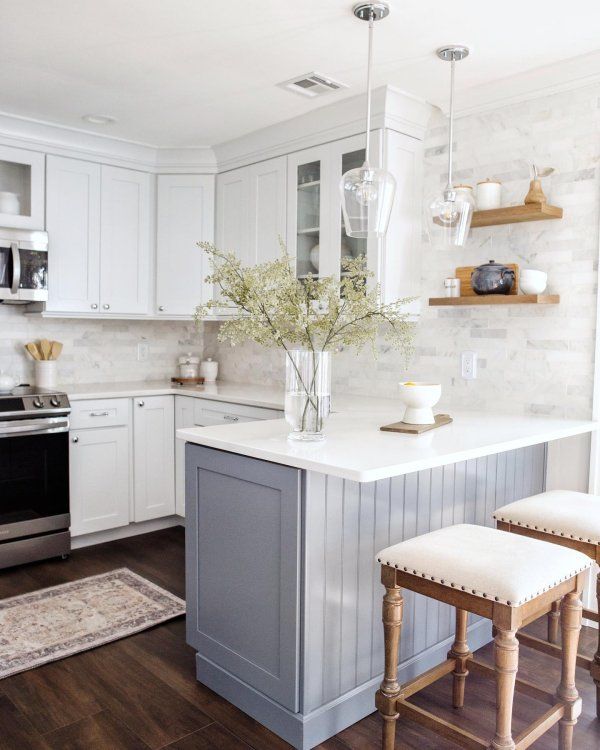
x,y
16,259
34,426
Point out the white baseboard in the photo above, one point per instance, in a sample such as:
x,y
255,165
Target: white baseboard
x,y
122,532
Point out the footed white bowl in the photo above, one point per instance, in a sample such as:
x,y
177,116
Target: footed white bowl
x,y
419,398
532,282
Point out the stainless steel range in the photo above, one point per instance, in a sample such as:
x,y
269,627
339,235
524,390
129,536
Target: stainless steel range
x,y
34,476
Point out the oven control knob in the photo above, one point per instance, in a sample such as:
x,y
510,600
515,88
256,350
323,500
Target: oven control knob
x,y
54,400
37,402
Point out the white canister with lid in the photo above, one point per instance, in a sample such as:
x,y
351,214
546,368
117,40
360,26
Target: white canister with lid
x,y
489,194
209,370
188,366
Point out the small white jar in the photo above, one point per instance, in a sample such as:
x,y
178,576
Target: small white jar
x,y
45,373
489,195
188,366
209,370
9,203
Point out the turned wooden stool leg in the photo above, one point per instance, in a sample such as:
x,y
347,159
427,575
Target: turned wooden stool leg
x,y
554,622
460,653
389,690
595,670
570,621
506,657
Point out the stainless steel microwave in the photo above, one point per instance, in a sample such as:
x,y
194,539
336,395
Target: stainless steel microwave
x,y
23,266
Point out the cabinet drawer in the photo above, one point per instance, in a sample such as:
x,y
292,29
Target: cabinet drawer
x,y
208,413
107,412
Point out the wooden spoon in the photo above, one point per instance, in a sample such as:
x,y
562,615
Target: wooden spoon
x,y
33,350
45,348
56,350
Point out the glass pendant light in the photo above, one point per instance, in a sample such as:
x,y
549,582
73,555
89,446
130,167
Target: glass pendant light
x,y
367,192
451,213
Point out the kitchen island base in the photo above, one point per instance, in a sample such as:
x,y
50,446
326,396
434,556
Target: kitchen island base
x,y
283,591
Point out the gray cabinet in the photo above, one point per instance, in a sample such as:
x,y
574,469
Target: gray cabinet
x,y
242,569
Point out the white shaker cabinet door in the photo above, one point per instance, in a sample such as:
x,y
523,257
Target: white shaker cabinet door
x,y
154,457
268,209
125,245
185,217
100,479
233,193
73,224
184,417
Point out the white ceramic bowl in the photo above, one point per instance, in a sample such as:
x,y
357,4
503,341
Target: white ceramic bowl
x,y
419,398
532,282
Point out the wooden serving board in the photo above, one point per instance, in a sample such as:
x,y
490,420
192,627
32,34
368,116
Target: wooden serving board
x,y
466,290
188,381
417,429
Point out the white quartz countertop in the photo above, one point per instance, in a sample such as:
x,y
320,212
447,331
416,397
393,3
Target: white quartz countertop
x,y
356,449
235,393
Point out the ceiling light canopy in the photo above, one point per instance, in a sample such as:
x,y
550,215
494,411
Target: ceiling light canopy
x,y
368,192
451,212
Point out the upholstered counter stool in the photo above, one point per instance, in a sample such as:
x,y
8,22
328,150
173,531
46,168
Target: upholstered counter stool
x,y
571,519
508,579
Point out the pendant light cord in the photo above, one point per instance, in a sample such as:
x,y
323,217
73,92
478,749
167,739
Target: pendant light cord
x,y
369,65
451,128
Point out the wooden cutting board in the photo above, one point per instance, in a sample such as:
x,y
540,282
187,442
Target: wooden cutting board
x,y
417,429
464,274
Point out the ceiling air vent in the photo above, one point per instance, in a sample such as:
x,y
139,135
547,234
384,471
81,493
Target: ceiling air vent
x,y
312,84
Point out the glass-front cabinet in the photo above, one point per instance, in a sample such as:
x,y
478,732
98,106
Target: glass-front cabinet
x,y
21,188
316,234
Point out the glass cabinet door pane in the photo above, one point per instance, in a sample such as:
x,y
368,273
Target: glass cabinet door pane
x,y
351,247
15,188
308,218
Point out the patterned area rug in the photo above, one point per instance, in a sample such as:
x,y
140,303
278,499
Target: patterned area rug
x,y
60,621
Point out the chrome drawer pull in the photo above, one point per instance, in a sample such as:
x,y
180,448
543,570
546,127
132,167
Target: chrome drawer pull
x,y
99,414
229,418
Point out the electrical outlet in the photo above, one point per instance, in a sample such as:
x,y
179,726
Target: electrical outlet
x,y
468,365
142,351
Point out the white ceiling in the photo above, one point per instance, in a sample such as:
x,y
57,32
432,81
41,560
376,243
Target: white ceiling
x,y
184,73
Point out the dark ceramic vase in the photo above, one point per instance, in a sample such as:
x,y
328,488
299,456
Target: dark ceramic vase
x,y
492,278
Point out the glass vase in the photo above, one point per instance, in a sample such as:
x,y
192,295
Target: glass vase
x,y
307,393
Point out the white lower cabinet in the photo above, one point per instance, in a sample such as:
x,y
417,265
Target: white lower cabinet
x,y
153,457
100,478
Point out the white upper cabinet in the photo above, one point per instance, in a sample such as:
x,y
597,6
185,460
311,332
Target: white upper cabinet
x,y
125,241
185,217
21,188
251,210
73,225
267,215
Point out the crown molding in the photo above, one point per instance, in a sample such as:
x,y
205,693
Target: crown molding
x,y
566,75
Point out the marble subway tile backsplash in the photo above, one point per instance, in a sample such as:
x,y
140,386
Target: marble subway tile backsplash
x,y
96,350
535,360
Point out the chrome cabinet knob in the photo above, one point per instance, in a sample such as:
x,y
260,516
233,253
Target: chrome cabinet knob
x,y
75,439
106,307
94,306
140,403
161,308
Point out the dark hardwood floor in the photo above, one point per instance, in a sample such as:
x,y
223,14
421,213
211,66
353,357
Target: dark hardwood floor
x,y
140,692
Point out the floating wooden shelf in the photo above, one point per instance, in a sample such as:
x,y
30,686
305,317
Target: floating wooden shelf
x,y
497,299
515,214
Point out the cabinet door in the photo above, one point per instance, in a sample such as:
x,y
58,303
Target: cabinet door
x,y
233,190
309,221
184,417
73,224
345,155
185,217
100,479
154,457
267,215
22,175
125,247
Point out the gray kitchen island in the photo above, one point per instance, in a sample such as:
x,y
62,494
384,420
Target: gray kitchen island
x,y
283,592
